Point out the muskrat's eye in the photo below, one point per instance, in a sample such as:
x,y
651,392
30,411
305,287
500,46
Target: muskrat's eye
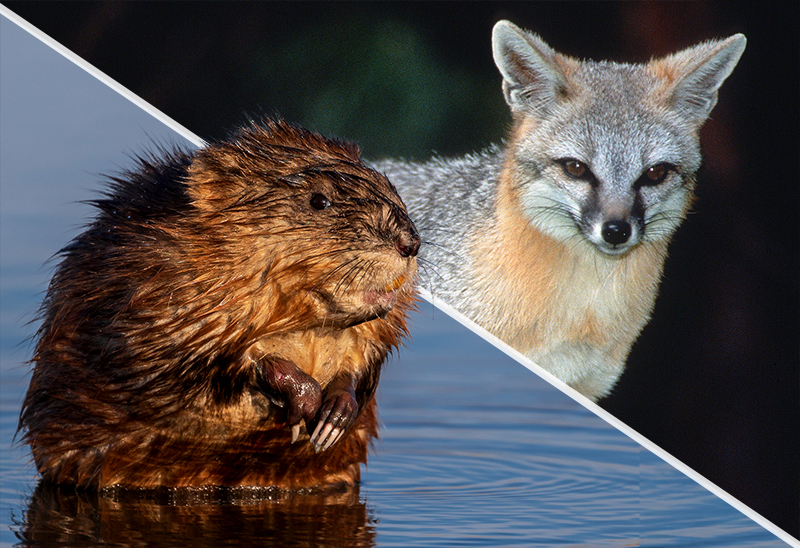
x,y
320,201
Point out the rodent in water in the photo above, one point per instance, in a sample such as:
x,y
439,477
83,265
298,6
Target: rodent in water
x,y
220,302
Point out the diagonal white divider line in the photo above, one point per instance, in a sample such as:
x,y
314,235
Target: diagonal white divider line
x,y
425,294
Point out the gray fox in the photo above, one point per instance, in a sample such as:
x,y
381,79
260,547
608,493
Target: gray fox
x,y
555,241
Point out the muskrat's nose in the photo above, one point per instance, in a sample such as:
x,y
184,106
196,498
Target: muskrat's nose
x,y
407,243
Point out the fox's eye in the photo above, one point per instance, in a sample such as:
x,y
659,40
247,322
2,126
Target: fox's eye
x,y
654,175
576,169
320,201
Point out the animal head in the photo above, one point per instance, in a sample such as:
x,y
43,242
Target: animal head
x,y
324,224
607,150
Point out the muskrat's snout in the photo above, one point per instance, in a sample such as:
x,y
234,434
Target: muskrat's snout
x,y
407,241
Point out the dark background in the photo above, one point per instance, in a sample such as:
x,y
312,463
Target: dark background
x,y
714,377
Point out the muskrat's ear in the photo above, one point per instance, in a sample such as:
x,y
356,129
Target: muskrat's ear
x,y
212,183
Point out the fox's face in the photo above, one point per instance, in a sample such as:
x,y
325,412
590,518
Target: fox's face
x,y
607,165
607,152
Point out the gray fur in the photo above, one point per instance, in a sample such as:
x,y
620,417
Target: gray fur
x,y
450,199
621,122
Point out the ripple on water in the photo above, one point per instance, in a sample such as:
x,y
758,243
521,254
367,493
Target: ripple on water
x,y
500,474
508,462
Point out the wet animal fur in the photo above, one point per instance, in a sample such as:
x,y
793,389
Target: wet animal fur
x,y
171,322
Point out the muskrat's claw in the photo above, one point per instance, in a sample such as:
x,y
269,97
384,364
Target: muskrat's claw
x,y
295,432
336,415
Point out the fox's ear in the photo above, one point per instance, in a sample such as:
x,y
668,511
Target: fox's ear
x,y
697,73
533,73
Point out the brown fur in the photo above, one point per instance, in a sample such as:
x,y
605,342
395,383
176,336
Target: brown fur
x,y
172,321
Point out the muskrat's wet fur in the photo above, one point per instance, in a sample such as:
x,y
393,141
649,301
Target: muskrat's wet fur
x,y
220,302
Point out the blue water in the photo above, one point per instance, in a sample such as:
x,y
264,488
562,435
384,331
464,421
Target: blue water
x,y
475,449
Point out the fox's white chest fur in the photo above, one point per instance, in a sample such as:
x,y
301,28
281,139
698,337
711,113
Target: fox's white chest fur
x,y
555,242
573,310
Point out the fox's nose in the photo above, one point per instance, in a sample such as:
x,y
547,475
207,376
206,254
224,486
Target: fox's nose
x,y
616,232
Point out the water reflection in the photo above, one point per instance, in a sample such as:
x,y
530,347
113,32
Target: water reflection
x,y
197,517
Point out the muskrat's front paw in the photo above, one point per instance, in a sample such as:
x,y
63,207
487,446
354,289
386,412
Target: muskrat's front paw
x,y
289,387
337,413
303,399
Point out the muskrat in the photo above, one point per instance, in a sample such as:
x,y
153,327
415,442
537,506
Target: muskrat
x,y
224,319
